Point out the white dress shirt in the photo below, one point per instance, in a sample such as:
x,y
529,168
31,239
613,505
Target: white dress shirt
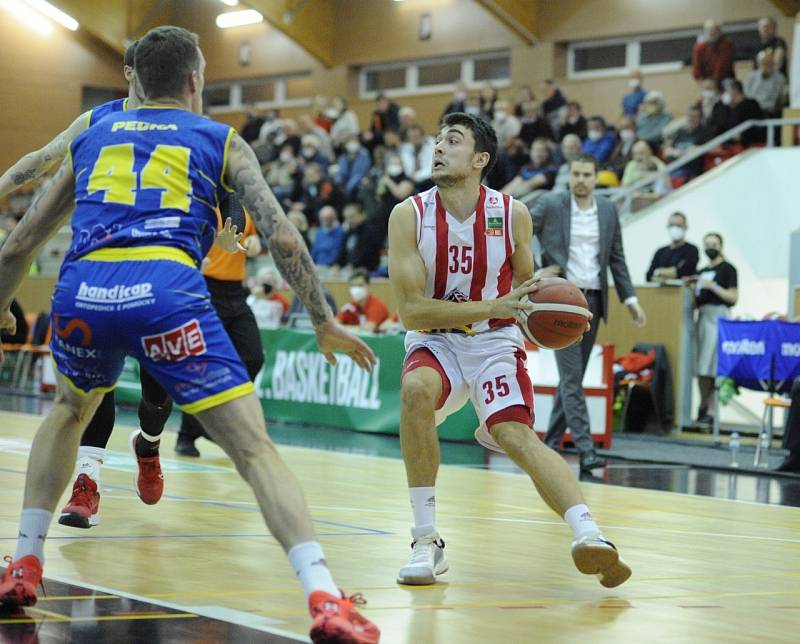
x,y
583,262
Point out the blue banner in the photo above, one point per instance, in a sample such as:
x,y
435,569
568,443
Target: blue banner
x,y
753,353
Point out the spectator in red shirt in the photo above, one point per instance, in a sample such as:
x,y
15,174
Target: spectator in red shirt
x,y
712,56
364,309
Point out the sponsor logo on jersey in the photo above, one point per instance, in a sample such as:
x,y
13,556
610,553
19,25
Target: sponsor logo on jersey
x,y
162,222
176,344
494,226
114,298
141,126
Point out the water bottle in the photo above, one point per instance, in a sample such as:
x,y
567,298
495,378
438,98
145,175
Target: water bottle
x,y
763,450
734,446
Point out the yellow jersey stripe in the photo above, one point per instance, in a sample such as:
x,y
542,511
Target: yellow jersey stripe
x,y
140,254
225,161
218,399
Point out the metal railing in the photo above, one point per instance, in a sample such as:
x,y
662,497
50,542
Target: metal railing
x,y
623,197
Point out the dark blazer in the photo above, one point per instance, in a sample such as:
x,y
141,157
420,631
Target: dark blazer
x,y
552,215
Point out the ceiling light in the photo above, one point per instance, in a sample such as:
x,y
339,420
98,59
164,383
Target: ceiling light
x,y
238,18
230,3
28,17
53,12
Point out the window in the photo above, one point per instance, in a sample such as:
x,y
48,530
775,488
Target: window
x,y
666,51
285,91
436,76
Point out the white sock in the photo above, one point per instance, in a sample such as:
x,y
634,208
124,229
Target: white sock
x,y
33,525
423,505
89,461
309,565
149,437
581,521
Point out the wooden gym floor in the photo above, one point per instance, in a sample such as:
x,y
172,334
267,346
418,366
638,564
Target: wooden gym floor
x,y
200,566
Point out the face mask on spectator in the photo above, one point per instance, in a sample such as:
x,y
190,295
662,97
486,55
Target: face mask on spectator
x,y
472,110
595,135
332,113
708,94
286,156
633,83
676,233
572,120
628,136
460,96
712,253
358,293
651,108
726,99
500,115
352,146
309,153
394,169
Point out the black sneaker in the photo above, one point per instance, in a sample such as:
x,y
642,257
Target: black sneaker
x,y
591,461
185,447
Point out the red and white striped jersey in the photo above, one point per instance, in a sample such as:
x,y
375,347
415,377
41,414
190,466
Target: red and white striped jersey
x,y
469,261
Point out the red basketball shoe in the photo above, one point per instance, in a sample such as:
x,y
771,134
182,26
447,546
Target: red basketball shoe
x,y
149,481
336,621
19,582
83,508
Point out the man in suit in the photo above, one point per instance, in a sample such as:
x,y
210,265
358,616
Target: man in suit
x,y
581,239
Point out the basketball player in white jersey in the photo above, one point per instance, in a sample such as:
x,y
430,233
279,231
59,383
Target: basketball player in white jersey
x,y
459,262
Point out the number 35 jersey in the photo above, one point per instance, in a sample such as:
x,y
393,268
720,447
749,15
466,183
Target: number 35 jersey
x,y
149,176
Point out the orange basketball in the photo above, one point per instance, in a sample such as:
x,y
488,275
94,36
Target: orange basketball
x,y
559,316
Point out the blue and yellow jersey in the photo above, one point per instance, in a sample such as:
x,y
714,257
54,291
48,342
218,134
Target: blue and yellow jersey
x,y
152,176
101,111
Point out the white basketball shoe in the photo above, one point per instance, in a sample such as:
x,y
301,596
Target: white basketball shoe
x,y
594,555
427,560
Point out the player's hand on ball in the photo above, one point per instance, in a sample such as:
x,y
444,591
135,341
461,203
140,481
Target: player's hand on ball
x,y
8,323
331,337
510,305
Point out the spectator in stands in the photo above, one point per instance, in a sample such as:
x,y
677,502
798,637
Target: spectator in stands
x,y
645,164
316,191
677,260
298,317
386,116
716,113
392,144
743,109
554,103
364,309
20,336
353,166
269,307
318,117
770,40
766,85
287,134
524,97
574,121
252,127
360,249
713,53
600,140
486,101
417,157
653,119
633,99
268,129
623,150
533,124
570,149
473,106
344,122
459,101
408,118
306,126
284,173
715,289
328,241
311,153
684,139
300,221
505,124
538,174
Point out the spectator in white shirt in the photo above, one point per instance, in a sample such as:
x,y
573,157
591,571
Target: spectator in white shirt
x,y
766,85
417,156
505,124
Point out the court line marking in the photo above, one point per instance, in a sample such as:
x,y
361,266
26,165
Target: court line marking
x,y
137,537
173,606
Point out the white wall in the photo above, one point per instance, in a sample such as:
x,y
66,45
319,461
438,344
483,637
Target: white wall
x,y
751,201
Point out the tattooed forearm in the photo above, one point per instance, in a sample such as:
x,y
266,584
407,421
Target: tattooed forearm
x,y
284,242
24,177
34,164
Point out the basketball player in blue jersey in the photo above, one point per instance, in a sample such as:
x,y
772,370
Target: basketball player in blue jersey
x,y
144,185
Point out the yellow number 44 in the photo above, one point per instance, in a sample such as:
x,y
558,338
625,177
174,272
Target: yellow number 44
x,y
167,170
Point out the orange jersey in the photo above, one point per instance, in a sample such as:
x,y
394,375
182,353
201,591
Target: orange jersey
x,y
374,310
230,267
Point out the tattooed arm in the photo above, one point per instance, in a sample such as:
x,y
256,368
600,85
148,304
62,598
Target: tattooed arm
x,y
290,253
47,214
35,164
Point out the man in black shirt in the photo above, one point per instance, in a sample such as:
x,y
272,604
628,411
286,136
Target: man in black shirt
x,y
770,40
677,260
362,245
715,292
743,109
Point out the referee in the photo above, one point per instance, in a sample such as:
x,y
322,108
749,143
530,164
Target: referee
x,y
225,274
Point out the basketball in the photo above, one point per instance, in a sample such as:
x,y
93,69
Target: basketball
x,y
559,316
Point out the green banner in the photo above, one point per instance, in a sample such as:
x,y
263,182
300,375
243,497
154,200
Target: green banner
x,y
297,384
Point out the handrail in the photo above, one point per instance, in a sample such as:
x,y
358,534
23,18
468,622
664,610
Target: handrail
x,y
624,195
